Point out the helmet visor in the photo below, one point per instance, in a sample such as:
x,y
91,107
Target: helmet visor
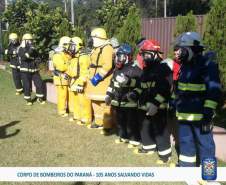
x,y
148,55
72,48
13,41
121,57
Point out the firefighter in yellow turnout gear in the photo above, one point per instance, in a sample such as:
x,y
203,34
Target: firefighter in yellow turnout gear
x,y
78,75
61,62
100,67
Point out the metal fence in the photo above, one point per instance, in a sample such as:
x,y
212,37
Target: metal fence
x,y
162,29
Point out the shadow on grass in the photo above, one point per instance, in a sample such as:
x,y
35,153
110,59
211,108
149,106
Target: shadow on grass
x,y
48,80
84,183
79,183
3,130
219,133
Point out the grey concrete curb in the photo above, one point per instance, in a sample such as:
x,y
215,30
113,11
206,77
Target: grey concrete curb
x,y
2,66
219,135
51,95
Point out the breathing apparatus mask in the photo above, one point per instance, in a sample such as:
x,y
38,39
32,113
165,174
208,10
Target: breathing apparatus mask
x,y
28,43
72,49
120,60
183,54
13,42
150,57
187,46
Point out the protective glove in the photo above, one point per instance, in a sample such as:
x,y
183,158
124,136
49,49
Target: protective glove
x,y
132,96
152,110
27,55
65,76
122,79
107,100
206,128
207,122
79,89
96,79
56,73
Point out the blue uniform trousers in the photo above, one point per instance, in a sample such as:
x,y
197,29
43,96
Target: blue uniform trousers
x,y
192,142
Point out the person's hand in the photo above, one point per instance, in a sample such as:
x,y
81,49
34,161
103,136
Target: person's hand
x,y
122,79
96,79
79,89
152,110
65,76
132,96
107,100
207,121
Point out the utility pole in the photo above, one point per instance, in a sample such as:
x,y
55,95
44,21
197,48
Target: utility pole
x,y
1,47
6,5
65,6
72,13
156,8
165,7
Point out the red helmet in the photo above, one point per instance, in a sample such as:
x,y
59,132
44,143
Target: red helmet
x,y
150,45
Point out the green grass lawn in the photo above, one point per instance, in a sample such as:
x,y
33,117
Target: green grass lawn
x,y
35,136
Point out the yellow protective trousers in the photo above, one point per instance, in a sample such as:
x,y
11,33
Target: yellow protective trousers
x,y
71,100
62,97
82,108
102,114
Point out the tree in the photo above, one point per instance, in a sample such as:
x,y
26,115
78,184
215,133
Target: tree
x,y
148,8
53,3
2,6
47,25
174,7
178,7
185,24
215,35
111,15
16,15
130,32
85,16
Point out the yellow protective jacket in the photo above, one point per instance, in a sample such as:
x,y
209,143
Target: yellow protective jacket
x,y
102,66
78,70
60,63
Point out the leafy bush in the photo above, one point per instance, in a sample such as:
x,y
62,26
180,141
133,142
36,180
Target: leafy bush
x,y
185,24
215,35
47,25
112,15
130,32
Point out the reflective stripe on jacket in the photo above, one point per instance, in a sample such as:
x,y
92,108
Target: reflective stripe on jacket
x,y
198,88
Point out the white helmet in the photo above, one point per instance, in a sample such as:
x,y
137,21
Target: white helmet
x,y
189,39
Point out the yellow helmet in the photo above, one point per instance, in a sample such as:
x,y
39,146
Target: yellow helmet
x,y
78,42
99,33
13,36
64,42
27,36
